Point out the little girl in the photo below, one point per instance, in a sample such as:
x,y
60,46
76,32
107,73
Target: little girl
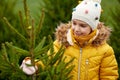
x,y
85,39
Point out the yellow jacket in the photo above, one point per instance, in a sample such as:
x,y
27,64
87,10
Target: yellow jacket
x,y
94,61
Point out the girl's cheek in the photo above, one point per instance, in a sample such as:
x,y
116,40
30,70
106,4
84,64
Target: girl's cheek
x,y
73,27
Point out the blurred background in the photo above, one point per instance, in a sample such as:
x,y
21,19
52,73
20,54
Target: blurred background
x,y
56,11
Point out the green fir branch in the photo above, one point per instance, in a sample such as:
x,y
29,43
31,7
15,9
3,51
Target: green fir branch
x,y
17,49
4,53
56,56
31,50
6,58
40,45
38,29
26,13
13,29
42,52
22,23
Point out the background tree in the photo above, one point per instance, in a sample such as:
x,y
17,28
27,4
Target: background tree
x,y
111,18
115,38
56,11
7,10
10,9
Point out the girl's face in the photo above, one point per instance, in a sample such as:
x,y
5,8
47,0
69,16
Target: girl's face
x,y
80,28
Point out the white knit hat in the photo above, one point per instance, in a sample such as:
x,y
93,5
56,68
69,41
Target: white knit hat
x,y
88,11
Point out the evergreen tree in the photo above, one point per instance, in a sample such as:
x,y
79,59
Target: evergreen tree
x,y
54,66
10,9
57,11
115,37
7,10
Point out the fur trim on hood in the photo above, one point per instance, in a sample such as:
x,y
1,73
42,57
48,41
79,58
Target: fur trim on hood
x,y
102,35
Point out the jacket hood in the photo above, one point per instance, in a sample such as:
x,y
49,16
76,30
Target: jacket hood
x,y
62,34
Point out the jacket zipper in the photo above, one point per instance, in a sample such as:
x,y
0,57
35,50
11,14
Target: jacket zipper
x,y
79,63
86,67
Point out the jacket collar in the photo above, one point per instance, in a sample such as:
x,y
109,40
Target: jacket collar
x,y
63,35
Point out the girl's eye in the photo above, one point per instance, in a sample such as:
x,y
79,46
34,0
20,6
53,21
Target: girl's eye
x,y
74,23
83,25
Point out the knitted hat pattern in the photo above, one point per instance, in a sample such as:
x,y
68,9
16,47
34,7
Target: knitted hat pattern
x,y
88,11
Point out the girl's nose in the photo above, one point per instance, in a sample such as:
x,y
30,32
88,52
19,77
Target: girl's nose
x,y
77,28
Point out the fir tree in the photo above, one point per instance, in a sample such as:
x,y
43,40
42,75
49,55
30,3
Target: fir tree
x,y
115,38
57,11
7,10
54,66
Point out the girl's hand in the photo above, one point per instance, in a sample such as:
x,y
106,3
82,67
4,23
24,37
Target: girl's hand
x,y
27,67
